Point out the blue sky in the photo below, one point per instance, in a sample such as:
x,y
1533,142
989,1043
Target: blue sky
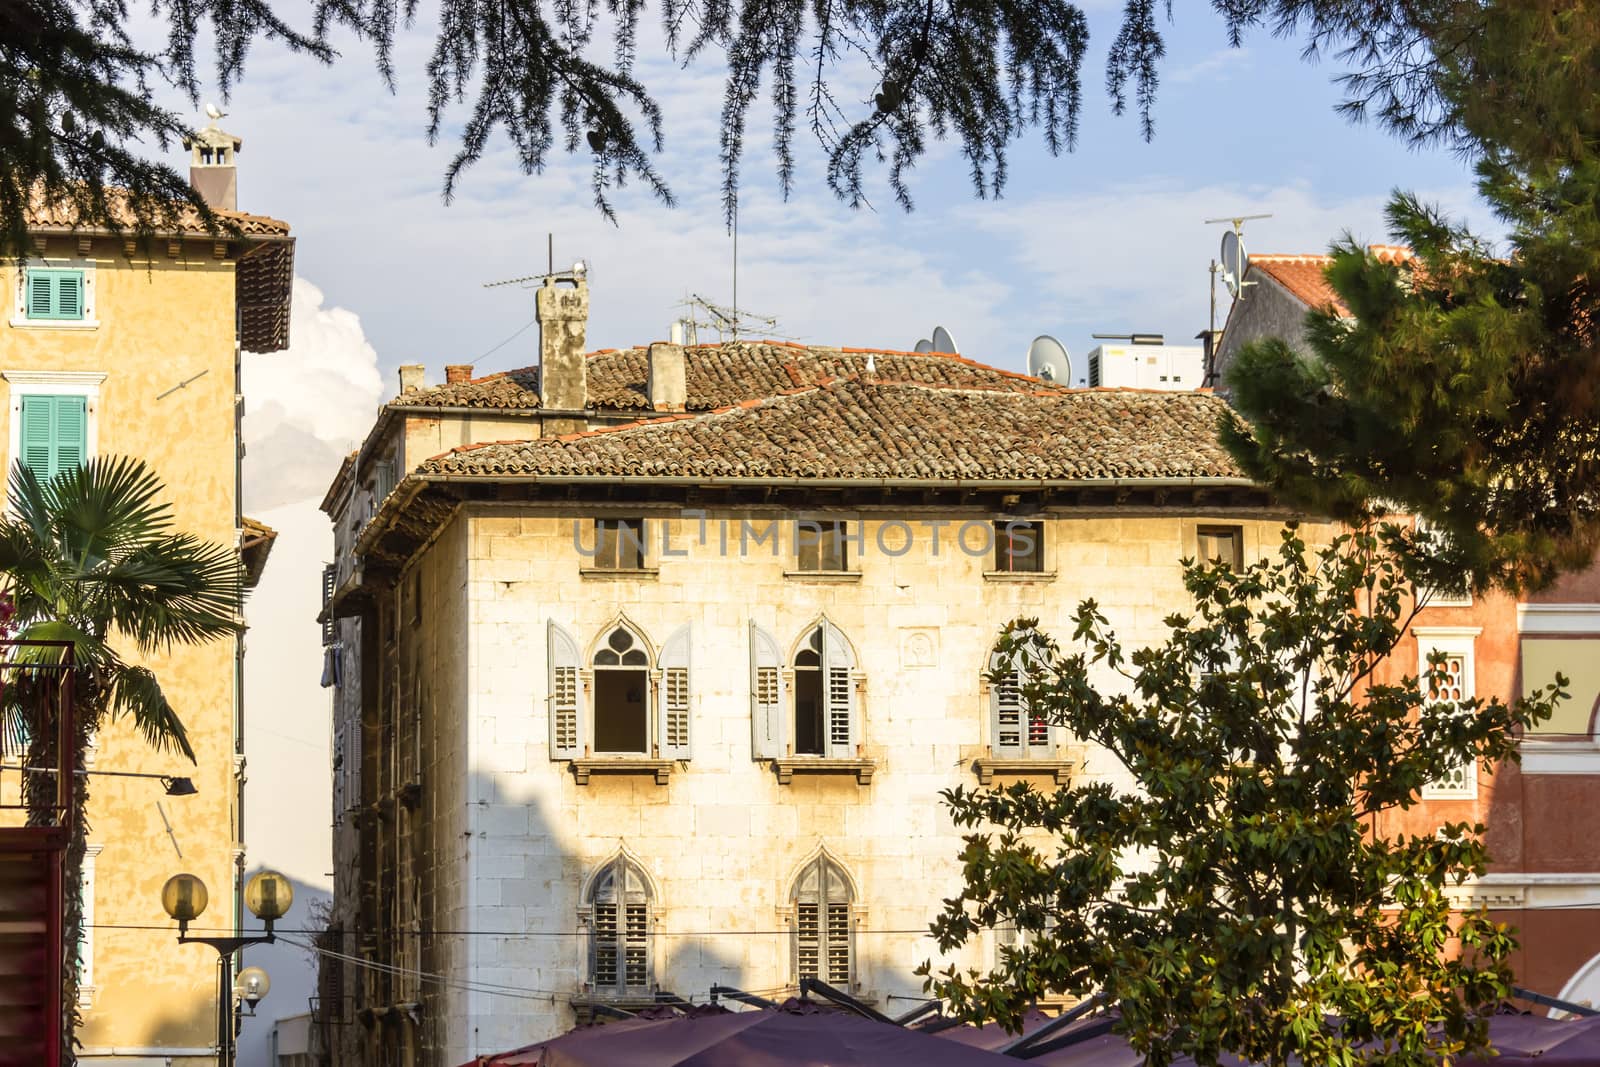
x,y
1109,237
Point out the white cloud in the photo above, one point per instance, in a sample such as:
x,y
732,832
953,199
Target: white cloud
x,y
306,407
1218,66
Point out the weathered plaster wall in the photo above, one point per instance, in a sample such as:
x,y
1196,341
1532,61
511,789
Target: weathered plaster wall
x,y
161,322
723,839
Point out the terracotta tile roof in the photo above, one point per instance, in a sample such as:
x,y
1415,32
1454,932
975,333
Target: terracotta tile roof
x,y
1305,276
722,374
62,215
860,430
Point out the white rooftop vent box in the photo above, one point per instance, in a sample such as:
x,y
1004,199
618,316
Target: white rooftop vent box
x,y
1173,368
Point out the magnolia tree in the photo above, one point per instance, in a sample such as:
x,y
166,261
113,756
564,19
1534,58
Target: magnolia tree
x,y
1219,877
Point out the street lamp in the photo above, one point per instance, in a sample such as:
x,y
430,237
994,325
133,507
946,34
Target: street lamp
x,y
268,895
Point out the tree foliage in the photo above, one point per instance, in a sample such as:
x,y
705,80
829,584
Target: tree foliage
x,y
92,557
1218,877
1464,384
870,80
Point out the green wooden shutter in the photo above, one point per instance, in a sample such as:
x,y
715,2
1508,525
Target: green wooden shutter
x,y
71,432
54,294
55,434
37,437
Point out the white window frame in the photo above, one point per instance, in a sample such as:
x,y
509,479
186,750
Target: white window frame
x,y
82,383
86,988
19,301
1452,641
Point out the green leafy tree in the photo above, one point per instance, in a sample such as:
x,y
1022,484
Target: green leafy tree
x,y
92,557
1464,384
869,80
1219,878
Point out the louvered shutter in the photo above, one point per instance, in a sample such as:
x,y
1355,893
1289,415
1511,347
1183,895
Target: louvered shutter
x,y
839,695
673,721
766,695
603,965
69,295
838,934
1006,711
41,295
71,433
38,435
807,939
565,700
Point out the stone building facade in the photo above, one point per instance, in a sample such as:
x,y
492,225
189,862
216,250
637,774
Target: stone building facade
x,y
619,716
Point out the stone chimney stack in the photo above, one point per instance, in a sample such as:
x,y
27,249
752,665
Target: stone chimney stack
x,y
213,166
563,314
455,373
669,391
411,377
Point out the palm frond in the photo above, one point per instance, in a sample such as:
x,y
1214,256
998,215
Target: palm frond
x,y
108,504
135,692
177,590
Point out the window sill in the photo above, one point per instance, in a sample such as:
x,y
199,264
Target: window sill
x,y
583,768
618,574
21,323
823,576
989,766
788,766
1019,576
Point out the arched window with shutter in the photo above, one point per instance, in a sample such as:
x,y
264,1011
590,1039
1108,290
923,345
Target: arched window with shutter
x,y
622,693
822,898
619,902
825,714
1016,728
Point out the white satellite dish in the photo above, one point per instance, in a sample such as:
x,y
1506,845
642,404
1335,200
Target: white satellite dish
x,y
923,345
943,342
1048,359
1235,261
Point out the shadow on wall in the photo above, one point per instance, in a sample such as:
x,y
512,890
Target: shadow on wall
x,y
538,889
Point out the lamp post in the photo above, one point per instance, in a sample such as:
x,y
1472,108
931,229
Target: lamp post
x,y
268,895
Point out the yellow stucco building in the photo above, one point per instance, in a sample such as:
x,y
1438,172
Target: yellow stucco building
x,y
112,346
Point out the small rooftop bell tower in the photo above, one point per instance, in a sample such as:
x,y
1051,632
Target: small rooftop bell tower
x,y
213,171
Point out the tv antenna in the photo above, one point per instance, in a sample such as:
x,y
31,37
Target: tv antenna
x,y
577,272
1232,261
727,321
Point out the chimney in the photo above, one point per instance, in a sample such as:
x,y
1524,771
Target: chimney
x,y
668,389
213,169
563,314
411,377
455,373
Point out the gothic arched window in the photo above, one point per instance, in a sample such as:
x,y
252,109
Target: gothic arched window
x,y
619,931
822,897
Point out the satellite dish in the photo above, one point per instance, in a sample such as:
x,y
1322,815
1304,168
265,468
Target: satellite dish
x,y
1048,359
923,345
1235,261
943,342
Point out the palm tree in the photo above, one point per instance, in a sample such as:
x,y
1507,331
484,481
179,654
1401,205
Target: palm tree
x,y
92,557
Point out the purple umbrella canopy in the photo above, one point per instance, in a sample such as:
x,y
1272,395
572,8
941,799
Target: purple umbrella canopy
x,y
782,1037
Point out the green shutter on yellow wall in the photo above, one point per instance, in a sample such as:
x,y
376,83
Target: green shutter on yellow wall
x,y
54,294
54,434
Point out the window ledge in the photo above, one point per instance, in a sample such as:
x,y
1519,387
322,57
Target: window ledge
x,y
22,323
583,768
1019,576
989,766
824,576
788,766
618,574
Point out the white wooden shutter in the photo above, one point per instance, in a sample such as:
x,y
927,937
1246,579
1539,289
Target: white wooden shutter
x,y
1006,710
838,695
766,695
565,699
674,721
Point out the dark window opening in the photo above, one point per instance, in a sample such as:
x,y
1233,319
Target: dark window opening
x,y
618,544
1019,547
821,546
808,705
621,695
